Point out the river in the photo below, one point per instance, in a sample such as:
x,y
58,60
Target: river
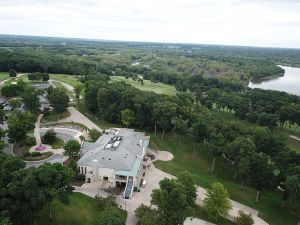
x,y
289,83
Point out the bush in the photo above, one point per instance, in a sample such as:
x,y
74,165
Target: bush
x,y
36,154
29,141
244,219
49,137
12,73
94,134
26,153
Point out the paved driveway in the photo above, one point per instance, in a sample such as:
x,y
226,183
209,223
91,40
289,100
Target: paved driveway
x,y
78,117
57,158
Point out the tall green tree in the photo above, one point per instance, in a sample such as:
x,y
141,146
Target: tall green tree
x,y
216,204
127,117
59,100
215,146
12,73
180,126
30,98
19,123
54,183
172,200
72,148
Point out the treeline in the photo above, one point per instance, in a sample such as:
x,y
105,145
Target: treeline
x,y
263,107
254,152
156,62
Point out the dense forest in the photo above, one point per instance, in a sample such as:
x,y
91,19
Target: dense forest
x,y
213,108
157,62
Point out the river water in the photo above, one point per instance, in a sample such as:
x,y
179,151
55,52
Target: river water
x,y
290,82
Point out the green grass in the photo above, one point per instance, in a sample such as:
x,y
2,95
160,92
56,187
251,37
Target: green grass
x,y
270,203
82,210
58,143
53,116
68,79
3,76
60,85
159,88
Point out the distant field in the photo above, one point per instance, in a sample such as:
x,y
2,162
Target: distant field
x,y
158,88
68,79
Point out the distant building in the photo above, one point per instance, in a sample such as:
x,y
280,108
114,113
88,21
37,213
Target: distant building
x,y
117,157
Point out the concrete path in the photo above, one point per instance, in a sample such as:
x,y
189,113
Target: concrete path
x,y
294,137
78,117
66,86
57,158
7,79
37,130
153,177
196,221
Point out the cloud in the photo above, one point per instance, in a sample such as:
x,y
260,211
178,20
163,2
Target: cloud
x,y
236,22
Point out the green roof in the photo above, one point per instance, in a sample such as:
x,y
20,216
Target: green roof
x,y
131,173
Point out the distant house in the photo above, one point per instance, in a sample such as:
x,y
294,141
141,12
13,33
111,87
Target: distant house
x,y
117,157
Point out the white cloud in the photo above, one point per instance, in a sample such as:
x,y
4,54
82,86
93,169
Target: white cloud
x,y
236,22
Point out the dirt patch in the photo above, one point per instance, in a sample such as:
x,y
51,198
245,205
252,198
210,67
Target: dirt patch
x,y
164,156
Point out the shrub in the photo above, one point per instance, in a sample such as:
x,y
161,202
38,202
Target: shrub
x,y
36,154
49,137
26,153
244,219
29,141
94,134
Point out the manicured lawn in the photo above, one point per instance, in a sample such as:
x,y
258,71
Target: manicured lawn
x,y
59,143
82,210
270,203
53,116
158,88
68,79
3,75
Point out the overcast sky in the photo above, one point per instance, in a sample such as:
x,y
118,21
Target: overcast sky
x,y
235,22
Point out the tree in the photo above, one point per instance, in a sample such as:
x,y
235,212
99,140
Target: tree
x,y
94,134
19,123
72,148
77,90
293,184
45,76
30,98
49,137
215,145
127,117
244,219
12,73
239,152
59,100
146,215
180,126
15,103
111,216
173,201
2,115
54,182
216,202
163,111
262,173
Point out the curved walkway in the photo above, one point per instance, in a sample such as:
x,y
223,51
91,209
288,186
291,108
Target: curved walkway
x,y
76,116
153,177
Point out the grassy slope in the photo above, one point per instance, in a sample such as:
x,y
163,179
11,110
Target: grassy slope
x,y
158,88
82,210
269,205
68,79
